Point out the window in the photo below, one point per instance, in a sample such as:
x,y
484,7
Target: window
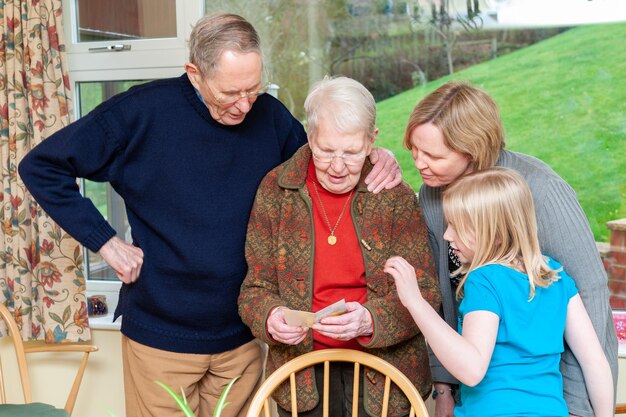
x,y
122,20
127,34
390,46
113,45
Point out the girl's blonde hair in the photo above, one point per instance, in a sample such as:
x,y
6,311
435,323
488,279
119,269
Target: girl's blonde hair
x,y
496,208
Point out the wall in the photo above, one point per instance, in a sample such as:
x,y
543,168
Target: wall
x,y
102,388
615,263
621,380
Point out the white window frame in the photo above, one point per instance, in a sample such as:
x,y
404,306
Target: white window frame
x,y
144,53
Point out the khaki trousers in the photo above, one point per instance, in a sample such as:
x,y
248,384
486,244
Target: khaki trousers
x,y
202,377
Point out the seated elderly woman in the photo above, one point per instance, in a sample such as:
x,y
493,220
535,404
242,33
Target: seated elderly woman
x,y
316,236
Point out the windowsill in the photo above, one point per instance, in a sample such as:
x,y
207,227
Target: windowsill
x,y
105,322
110,289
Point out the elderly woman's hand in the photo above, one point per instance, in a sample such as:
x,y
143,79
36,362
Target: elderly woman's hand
x,y
281,332
403,274
356,322
386,172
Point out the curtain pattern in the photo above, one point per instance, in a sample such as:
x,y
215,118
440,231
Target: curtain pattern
x,y
41,266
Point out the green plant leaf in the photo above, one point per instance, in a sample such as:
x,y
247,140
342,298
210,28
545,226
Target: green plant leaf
x,y
180,401
221,403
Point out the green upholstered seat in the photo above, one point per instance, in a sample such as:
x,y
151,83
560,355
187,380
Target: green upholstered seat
x,y
31,410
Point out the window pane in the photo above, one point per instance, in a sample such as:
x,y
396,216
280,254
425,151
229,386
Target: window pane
x,y
389,46
101,20
106,200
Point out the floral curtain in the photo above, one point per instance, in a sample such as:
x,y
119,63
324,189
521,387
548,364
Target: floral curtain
x,y
41,266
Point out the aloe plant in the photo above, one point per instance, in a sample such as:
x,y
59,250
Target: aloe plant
x,y
181,400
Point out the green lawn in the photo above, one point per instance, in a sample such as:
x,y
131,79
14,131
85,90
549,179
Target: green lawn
x,y
562,100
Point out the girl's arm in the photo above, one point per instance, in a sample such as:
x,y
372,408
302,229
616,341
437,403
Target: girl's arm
x,y
465,356
582,340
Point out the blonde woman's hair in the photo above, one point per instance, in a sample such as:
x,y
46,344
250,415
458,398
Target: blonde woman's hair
x,y
468,118
218,32
496,209
342,101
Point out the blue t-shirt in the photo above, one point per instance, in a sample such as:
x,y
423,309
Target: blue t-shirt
x,y
523,377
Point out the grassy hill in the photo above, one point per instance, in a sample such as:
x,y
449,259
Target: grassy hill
x,y
563,101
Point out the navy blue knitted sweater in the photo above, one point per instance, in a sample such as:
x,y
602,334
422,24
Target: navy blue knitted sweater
x,y
188,183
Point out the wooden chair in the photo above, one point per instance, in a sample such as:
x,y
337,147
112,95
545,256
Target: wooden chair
x,y
38,409
261,399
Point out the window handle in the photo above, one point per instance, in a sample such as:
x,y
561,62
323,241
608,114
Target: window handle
x,y
111,48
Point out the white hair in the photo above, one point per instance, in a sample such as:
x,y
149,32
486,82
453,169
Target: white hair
x,y
342,101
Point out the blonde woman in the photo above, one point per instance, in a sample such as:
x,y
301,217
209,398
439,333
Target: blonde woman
x,y
516,307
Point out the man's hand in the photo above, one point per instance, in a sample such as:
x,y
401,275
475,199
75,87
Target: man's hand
x,y
386,172
125,259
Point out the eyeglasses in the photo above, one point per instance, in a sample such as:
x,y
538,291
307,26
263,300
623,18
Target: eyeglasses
x,y
228,99
350,159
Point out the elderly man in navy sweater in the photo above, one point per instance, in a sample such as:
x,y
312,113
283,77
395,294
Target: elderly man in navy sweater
x,y
186,155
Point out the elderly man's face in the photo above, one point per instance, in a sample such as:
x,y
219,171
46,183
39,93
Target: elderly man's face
x,y
230,93
338,157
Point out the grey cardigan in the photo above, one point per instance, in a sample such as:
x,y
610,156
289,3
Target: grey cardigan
x,y
564,234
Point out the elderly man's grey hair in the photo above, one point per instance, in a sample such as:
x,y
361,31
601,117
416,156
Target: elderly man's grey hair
x,y
215,33
342,101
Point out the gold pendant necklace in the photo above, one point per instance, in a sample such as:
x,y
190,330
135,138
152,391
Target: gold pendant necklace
x,y
332,239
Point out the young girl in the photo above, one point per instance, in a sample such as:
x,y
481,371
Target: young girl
x,y
516,308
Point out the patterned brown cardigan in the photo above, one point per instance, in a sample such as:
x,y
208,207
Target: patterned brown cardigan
x,y
279,251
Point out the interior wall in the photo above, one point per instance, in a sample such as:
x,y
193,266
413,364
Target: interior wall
x,y
101,392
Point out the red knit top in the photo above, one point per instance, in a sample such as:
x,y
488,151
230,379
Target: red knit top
x,y
338,270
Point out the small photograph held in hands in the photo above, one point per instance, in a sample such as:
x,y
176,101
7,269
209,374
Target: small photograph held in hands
x,y
307,319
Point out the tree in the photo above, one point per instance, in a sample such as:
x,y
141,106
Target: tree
x,y
443,21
